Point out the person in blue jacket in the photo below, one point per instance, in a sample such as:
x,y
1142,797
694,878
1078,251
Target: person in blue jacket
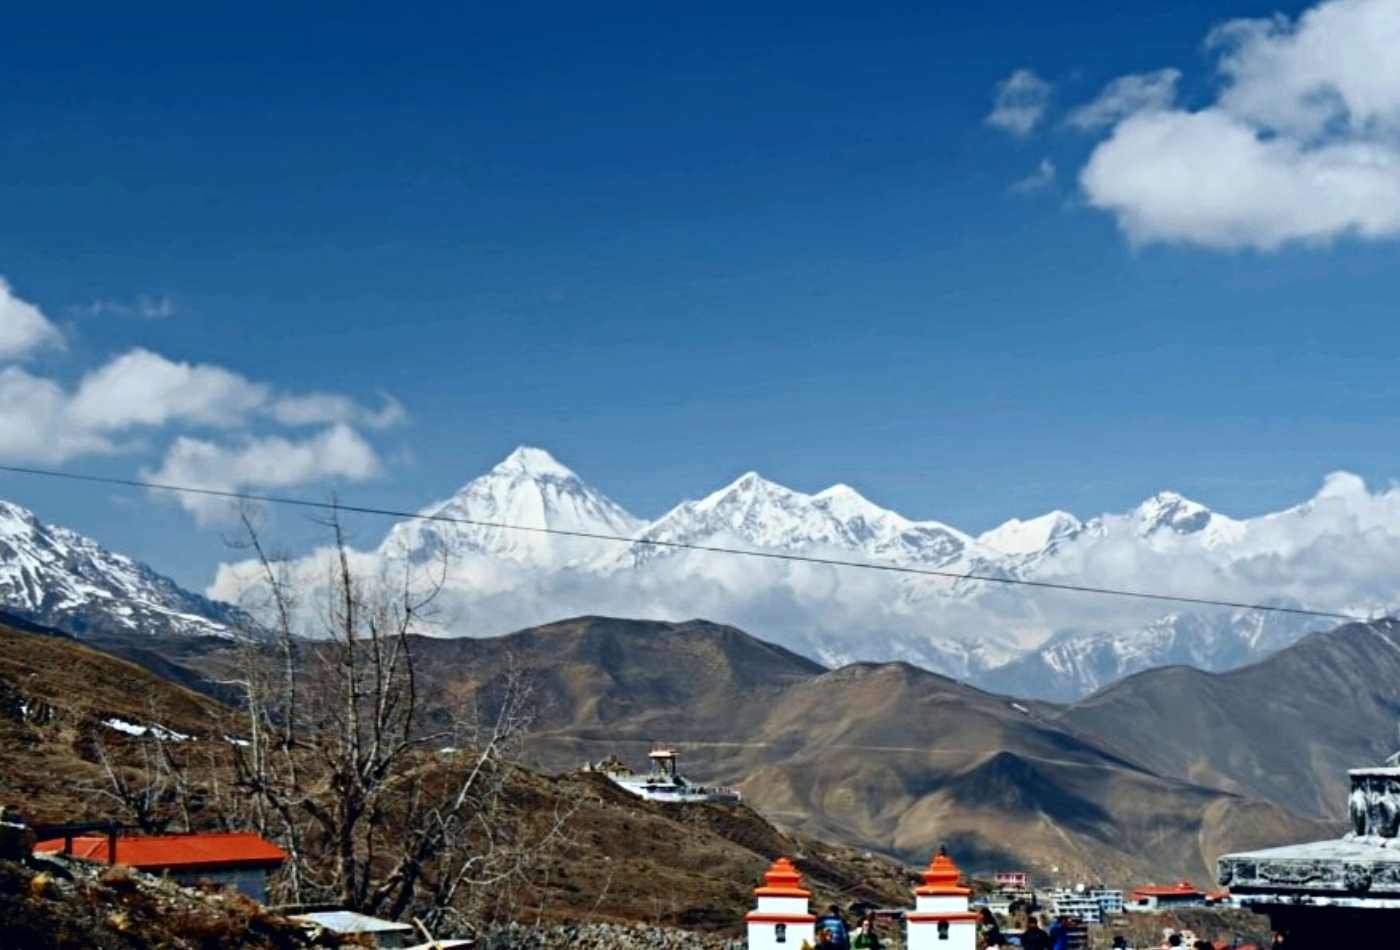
x,y
833,923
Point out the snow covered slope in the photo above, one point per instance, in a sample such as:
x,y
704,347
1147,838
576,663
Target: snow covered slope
x,y
763,514
528,489
1334,551
59,578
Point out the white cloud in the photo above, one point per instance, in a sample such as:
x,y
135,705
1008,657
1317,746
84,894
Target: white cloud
x,y
23,326
1042,177
1302,145
260,463
1125,96
321,408
1020,103
1208,178
41,421
145,388
145,306
33,422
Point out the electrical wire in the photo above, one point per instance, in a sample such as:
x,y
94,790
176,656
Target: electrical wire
x,y
683,545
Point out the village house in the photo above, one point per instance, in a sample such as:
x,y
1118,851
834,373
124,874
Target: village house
x,y
241,860
1152,897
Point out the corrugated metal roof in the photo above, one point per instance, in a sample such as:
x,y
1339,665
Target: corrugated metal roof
x,y
350,922
177,852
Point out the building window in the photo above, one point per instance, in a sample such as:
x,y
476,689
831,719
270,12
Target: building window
x,y
780,933
943,930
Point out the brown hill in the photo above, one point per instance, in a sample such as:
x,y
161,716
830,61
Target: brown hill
x,y
55,696
621,859
1285,729
881,756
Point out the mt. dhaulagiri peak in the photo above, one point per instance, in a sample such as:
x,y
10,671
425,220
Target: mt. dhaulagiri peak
x,y
530,489
54,576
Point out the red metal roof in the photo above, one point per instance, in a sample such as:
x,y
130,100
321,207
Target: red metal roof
x,y
177,852
1179,889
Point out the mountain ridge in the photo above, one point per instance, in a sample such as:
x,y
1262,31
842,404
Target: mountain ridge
x,y
1031,641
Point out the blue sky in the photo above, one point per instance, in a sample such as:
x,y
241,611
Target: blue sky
x,y
671,246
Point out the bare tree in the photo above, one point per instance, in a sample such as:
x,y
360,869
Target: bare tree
x,y
151,789
381,806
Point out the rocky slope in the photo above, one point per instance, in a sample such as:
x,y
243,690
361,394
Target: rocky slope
x,y
621,860
887,757
1285,729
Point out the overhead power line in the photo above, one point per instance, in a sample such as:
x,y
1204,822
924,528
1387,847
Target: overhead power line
x,y
684,545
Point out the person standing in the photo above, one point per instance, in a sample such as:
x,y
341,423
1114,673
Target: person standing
x,y
988,932
866,935
834,924
1059,934
1033,938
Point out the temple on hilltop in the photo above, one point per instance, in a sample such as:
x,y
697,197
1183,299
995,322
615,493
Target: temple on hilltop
x,y
1343,892
664,783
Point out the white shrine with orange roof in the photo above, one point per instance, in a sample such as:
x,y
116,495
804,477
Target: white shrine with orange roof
x,y
782,919
941,919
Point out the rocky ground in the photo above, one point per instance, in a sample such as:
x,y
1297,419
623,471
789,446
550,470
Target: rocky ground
x,y
54,904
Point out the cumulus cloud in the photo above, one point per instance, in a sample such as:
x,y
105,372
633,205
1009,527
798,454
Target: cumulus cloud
x,y
1042,177
145,388
23,326
143,391
1125,96
260,463
34,426
320,408
1020,103
1301,145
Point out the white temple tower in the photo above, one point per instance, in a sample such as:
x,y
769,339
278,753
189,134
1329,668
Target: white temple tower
x,y
781,920
941,919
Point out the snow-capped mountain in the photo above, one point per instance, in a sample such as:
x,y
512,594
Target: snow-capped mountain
x,y
1331,552
59,578
763,514
1072,664
1168,515
529,489
1033,537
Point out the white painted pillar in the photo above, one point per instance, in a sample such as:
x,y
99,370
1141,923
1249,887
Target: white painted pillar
x,y
941,919
781,920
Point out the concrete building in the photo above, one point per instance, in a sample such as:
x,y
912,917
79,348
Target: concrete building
x,y
1077,905
1011,880
1110,899
1152,897
241,860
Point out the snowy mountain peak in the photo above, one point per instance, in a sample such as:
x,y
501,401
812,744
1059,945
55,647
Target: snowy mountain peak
x,y
747,489
528,489
1034,535
55,576
1168,513
533,462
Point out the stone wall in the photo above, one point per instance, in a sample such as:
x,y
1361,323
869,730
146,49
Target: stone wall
x,y
606,937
